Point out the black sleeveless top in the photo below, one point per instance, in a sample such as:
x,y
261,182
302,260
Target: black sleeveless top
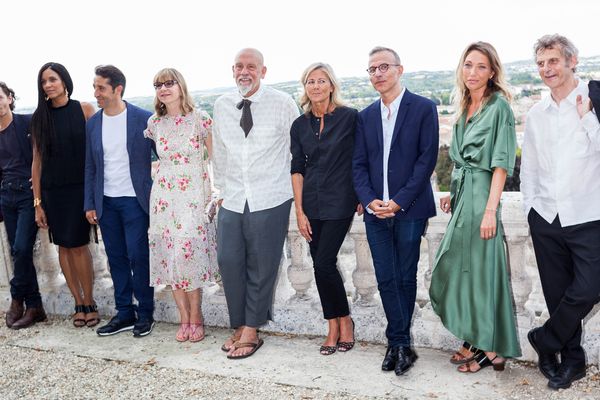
x,y
66,162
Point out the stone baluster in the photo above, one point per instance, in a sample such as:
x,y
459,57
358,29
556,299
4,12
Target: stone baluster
x,y
5,258
363,276
300,272
45,258
102,277
516,232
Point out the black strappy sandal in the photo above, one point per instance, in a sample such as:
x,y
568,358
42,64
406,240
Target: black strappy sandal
x,y
79,322
458,358
90,323
347,346
327,350
482,359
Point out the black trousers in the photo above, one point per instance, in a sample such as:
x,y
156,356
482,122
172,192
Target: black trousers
x,y
327,238
568,260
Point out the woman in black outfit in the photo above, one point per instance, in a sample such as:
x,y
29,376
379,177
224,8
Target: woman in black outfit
x,y
58,130
322,141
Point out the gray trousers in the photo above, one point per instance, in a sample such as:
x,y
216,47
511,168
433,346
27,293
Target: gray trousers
x,y
250,246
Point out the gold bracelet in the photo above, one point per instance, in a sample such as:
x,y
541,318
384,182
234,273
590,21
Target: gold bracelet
x,y
36,202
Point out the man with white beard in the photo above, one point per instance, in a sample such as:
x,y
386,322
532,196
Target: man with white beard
x,y
251,160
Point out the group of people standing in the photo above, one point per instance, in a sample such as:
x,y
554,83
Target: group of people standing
x,y
377,162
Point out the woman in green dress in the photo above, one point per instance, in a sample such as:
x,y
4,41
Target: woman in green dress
x,y
470,288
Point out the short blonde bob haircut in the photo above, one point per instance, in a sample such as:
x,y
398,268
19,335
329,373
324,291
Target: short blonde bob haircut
x,y
187,103
334,98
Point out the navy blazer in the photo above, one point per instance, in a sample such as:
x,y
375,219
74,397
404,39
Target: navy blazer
x,y
412,159
139,149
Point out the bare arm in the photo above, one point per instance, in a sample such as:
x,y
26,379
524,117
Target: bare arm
x,y
36,174
302,219
88,110
208,144
487,230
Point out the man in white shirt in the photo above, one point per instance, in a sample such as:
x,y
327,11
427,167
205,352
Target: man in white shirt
x,y
561,193
117,198
251,160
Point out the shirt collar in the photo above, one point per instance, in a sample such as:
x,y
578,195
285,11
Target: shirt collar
x,y
394,105
547,101
255,98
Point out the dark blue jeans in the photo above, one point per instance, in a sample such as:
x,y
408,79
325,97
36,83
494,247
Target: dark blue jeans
x,y
395,247
124,227
19,220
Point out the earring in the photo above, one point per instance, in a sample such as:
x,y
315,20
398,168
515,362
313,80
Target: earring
x,y
47,98
490,83
67,92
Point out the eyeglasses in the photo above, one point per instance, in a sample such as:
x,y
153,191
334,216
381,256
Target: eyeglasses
x,y
381,67
168,84
318,82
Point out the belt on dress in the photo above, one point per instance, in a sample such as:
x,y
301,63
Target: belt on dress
x,y
465,185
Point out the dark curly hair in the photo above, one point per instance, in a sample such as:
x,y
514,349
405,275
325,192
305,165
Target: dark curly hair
x,y
9,93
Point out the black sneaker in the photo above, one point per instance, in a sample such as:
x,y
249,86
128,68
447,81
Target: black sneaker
x,y
115,325
143,327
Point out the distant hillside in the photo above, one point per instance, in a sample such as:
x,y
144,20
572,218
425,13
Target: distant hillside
x,y
436,85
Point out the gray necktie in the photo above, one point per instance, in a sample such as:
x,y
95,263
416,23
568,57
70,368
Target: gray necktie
x,y
246,120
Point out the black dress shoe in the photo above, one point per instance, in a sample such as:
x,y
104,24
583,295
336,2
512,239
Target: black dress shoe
x,y
391,358
31,316
547,362
143,327
114,326
406,359
15,312
566,375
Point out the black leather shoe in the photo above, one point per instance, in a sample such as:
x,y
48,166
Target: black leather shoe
x,y
31,316
406,359
547,363
566,375
15,312
143,327
391,358
114,326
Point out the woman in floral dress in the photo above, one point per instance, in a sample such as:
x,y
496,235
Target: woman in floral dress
x,y
182,237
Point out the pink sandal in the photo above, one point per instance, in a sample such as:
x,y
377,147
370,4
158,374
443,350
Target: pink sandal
x,y
196,332
183,334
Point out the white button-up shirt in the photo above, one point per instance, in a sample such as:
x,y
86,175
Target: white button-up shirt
x,y
560,161
256,168
388,121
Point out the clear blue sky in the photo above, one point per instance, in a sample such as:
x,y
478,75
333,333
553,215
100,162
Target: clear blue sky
x,y
200,38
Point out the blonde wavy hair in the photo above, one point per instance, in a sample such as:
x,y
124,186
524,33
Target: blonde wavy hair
x,y
461,97
334,98
187,103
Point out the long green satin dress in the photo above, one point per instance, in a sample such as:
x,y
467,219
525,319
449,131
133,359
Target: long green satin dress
x,y
470,288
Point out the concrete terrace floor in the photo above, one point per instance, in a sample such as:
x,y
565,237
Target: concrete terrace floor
x,y
54,360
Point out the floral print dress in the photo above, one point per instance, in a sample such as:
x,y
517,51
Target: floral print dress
x,y
182,240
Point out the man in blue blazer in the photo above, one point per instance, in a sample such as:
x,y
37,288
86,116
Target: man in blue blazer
x,y
395,152
117,197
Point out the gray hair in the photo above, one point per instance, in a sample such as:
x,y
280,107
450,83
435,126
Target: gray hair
x,y
556,41
379,49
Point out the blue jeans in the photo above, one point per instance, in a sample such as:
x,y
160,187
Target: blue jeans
x,y
395,247
19,220
124,227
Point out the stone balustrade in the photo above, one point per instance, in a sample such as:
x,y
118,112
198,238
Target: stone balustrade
x,y
297,308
